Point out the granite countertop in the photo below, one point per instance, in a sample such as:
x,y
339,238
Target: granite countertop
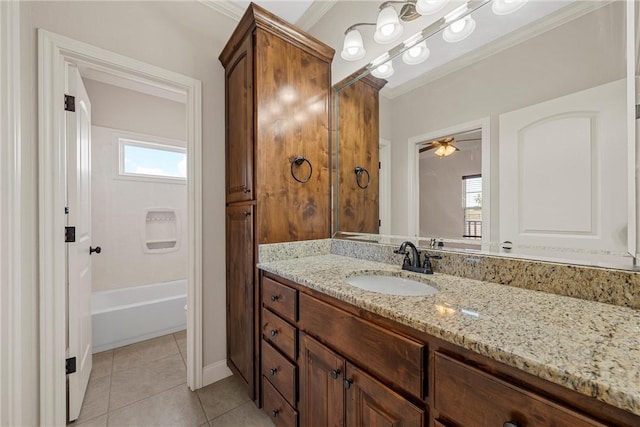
x,y
586,346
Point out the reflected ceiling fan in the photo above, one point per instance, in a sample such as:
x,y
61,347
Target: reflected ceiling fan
x,y
444,147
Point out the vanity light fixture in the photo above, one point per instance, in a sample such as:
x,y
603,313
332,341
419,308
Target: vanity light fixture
x,y
383,67
458,28
505,7
417,52
388,25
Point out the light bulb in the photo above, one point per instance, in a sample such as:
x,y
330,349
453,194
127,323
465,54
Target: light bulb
x,y
383,67
458,26
353,48
416,54
504,7
388,27
428,7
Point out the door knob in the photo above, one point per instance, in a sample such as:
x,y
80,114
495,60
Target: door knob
x,y
97,250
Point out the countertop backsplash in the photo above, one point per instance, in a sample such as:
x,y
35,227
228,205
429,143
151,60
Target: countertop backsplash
x,y
617,287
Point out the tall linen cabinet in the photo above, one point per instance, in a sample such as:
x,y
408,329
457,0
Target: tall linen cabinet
x,y
277,92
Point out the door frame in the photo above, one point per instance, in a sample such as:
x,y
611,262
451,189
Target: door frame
x,y
53,51
413,173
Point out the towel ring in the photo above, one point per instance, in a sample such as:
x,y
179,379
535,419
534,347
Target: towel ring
x,y
298,161
359,172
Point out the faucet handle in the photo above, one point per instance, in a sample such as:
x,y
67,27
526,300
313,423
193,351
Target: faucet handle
x,y
406,260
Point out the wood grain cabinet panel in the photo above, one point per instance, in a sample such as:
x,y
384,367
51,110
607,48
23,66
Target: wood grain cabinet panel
x,y
280,412
280,372
277,91
393,357
321,385
280,299
240,293
279,333
370,403
470,397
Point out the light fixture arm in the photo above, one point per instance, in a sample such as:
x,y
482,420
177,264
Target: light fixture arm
x,y
390,2
359,24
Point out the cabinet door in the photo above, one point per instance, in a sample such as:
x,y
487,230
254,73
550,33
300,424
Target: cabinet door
x,y
240,316
370,403
239,124
321,385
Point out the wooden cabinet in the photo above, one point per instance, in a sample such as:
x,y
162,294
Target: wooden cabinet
x,y
334,392
357,369
239,222
359,147
277,91
459,387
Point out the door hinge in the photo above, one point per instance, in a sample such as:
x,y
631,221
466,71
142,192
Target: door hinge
x,y
69,103
379,165
71,365
69,234
66,210
379,223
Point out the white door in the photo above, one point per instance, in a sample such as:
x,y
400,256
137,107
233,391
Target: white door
x,y
556,160
78,128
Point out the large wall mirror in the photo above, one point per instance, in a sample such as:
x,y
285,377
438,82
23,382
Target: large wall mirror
x,y
517,139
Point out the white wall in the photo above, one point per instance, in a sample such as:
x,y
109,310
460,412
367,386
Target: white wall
x,y
118,205
575,56
118,209
185,37
441,213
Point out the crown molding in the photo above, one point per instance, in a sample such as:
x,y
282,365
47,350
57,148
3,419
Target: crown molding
x,y
226,7
569,13
314,13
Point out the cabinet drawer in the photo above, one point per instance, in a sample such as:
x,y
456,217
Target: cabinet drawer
x,y
394,358
279,333
492,401
280,299
279,371
277,407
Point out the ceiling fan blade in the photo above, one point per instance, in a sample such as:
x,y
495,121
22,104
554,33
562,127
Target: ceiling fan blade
x,y
427,148
466,140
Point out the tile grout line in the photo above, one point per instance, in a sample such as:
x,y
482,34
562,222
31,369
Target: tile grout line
x,y
113,356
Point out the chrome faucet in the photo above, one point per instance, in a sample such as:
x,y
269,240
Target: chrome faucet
x,y
414,264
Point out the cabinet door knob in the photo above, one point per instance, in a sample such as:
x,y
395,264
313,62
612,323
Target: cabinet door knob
x,y
246,190
335,373
347,383
273,371
275,298
275,413
511,423
247,213
97,250
274,332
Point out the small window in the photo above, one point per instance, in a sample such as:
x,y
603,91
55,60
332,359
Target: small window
x,y
472,206
145,159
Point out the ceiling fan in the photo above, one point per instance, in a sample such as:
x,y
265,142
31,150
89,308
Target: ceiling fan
x,y
444,147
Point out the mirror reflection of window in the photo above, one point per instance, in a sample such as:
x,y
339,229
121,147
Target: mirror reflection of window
x,y
472,206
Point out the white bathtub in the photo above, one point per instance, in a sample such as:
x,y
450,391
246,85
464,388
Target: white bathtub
x,y
128,315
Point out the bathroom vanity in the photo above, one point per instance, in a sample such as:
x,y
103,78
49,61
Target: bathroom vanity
x,y
474,354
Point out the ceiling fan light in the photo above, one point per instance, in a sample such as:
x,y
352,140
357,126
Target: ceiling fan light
x,y
459,29
416,54
428,7
505,7
445,150
388,28
353,47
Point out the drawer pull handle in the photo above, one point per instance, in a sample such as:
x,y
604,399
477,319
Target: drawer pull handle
x,y
274,332
275,298
273,371
335,373
511,423
347,383
246,190
275,413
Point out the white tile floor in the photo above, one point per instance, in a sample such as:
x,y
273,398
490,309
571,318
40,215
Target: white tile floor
x,y
144,384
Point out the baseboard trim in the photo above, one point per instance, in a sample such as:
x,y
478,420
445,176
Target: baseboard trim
x,y
215,372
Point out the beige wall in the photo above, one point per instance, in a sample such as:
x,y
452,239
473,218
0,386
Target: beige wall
x,y
441,213
185,37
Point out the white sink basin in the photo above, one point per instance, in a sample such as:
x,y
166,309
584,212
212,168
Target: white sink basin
x,y
391,285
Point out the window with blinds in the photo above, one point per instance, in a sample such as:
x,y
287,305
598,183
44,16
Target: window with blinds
x,y
472,206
